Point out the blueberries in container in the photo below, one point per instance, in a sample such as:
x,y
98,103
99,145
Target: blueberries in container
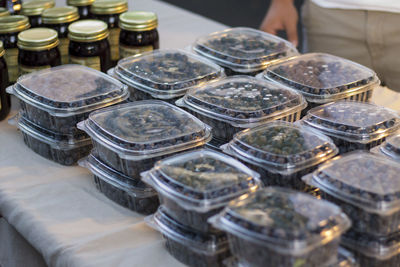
x,y
353,125
131,137
196,185
282,227
281,152
366,186
60,97
165,74
390,148
236,103
243,50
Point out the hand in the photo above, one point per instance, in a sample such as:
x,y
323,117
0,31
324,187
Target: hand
x,y
282,15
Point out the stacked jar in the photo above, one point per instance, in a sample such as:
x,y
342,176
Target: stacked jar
x,y
83,7
33,10
5,101
4,12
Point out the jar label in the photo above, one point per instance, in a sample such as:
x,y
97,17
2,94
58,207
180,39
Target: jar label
x,y
63,48
127,51
113,39
23,69
11,57
92,62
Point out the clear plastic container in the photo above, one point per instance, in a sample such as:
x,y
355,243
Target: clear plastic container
x,y
282,227
281,152
188,246
366,187
353,125
127,192
196,185
236,103
390,148
243,50
131,137
165,74
63,149
324,78
60,97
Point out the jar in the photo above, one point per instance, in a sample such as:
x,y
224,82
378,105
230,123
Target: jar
x,y
5,102
13,6
33,10
109,11
138,33
83,7
10,26
59,18
89,45
38,49
4,12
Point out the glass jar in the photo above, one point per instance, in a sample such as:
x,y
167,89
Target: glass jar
x,y
59,18
4,12
38,49
33,10
5,102
10,26
13,6
83,7
109,11
138,33
89,45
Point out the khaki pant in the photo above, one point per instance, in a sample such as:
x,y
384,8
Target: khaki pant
x,y
371,38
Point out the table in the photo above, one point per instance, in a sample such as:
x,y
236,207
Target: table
x,y
53,215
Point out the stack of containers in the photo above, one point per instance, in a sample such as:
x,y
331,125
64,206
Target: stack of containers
x,y
54,100
353,125
390,148
324,78
164,74
129,138
243,50
367,187
192,187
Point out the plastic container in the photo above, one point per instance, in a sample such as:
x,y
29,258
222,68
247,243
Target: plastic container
x,y
324,78
165,74
63,149
131,137
58,98
390,148
282,227
281,152
196,185
236,103
367,188
353,125
188,246
243,50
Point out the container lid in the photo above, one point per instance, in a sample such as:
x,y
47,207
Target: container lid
x,y
104,7
2,51
166,73
353,121
243,49
145,129
4,12
138,21
80,2
281,147
88,30
391,147
59,15
283,220
15,23
37,39
322,77
36,7
68,90
202,180
244,101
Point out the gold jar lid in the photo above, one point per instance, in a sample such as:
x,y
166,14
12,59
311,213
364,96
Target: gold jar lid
x,y
80,2
37,39
36,7
4,12
16,23
104,7
2,51
58,15
88,30
138,21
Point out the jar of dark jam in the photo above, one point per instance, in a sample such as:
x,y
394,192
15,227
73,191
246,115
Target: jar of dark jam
x,y
10,26
59,18
89,45
83,7
138,33
4,12
38,49
109,11
5,102
13,6
33,10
